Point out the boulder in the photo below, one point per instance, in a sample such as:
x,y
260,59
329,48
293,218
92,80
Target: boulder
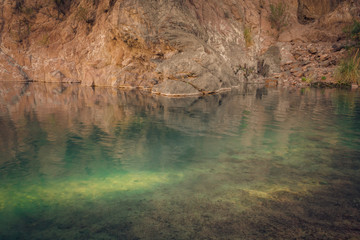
x,y
269,62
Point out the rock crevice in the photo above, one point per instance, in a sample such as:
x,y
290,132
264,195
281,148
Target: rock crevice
x,y
172,47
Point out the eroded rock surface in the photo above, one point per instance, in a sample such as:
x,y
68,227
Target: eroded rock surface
x,y
173,47
310,10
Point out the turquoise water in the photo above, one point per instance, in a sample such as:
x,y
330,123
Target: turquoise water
x,y
254,163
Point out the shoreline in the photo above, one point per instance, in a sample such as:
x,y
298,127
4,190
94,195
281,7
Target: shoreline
x,y
265,83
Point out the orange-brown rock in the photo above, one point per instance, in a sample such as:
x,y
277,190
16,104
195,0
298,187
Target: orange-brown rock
x,y
208,46
310,10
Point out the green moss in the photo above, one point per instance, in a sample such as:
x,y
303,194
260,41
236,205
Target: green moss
x,y
247,37
45,40
82,14
68,190
307,80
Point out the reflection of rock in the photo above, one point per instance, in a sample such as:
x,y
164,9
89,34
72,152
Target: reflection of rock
x,y
75,118
103,107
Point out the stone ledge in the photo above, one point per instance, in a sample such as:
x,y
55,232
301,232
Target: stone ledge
x,y
173,88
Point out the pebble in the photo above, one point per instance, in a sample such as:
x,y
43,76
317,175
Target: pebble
x,y
312,50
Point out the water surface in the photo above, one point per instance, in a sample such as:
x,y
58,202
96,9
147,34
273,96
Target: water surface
x,y
254,163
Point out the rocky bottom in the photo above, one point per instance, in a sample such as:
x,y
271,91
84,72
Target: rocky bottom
x,y
332,212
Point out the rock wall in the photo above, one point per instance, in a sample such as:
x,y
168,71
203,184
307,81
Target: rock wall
x,y
310,10
172,47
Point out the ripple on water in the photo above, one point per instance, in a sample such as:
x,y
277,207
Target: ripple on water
x,y
83,163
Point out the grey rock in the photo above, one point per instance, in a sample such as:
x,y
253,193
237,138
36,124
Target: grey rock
x,y
199,66
175,88
270,61
58,75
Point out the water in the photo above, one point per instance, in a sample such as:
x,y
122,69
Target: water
x,y
255,163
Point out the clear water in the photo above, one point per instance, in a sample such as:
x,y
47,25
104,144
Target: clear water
x,y
255,163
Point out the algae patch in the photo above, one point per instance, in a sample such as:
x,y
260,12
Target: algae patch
x,y
66,190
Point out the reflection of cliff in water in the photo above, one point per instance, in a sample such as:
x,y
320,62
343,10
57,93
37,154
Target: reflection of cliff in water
x,y
252,163
105,106
70,119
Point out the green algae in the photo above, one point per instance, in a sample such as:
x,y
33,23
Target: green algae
x,y
64,191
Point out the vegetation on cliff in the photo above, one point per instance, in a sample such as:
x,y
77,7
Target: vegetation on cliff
x,y
348,71
278,16
198,46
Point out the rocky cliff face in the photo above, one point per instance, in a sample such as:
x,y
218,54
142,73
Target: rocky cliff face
x,y
309,10
173,47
